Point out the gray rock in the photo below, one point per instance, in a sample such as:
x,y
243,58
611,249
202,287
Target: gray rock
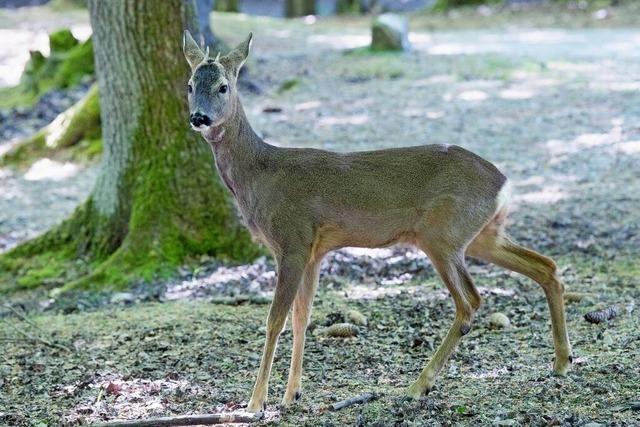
x,y
122,298
390,32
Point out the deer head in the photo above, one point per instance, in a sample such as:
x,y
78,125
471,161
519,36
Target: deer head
x,y
212,92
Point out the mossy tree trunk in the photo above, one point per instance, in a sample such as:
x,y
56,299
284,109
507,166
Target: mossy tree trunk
x,y
293,8
157,199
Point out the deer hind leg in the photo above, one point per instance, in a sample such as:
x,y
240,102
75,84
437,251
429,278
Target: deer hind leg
x,y
290,270
299,322
494,246
452,270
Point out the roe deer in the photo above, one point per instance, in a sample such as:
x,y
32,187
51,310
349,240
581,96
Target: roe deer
x,y
303,203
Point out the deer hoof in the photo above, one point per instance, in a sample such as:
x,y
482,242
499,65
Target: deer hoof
x,y
417,391
290,399
256,406
465,328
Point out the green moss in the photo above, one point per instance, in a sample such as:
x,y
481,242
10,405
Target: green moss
x,y
67,65
66,5
289,84
77,63
61,41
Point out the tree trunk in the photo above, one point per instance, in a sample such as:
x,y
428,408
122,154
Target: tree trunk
x,y
295,8
203,10
228,6
157,199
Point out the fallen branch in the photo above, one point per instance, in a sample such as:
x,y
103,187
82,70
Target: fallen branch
x,y
598,316
363,398
32,338
186,420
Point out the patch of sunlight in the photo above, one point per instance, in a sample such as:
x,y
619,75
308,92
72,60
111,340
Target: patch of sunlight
x,y
437,79
572,66
558,148
81,31
419,112
130,398
495,291
370,252
50,169
473,96
309,105
417,38
532,180
15,46
542,36
629,86
516,93
281,34
357,119
357,291
548,195
339,40
463,48
628,147
494,373
435,115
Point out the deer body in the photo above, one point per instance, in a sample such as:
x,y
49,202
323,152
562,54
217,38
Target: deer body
x,y
303,203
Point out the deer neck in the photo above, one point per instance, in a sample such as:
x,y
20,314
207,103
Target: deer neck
x,y
238,150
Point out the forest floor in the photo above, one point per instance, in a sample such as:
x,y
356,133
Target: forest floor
x,y
555,108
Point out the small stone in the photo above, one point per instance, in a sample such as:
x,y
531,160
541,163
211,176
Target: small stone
x,y
507,422
499,321
390,32
593,424
607,339
122,298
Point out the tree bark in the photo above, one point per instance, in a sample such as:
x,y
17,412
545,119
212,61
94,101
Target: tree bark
x,y
295,8
203,10
157,199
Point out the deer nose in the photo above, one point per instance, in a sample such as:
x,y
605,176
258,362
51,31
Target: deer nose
x,y
199,119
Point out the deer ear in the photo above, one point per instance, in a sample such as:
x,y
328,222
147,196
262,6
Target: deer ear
x,y
234,60
192,51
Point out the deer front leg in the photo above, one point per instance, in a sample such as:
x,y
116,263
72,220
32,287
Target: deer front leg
x,y
290,269
299,321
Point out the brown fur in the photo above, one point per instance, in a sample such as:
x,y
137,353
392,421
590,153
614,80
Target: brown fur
x,y
303,203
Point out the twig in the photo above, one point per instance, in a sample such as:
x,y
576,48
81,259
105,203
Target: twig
x,y
22,317
186,420
628,406
598,316
33,338
363,398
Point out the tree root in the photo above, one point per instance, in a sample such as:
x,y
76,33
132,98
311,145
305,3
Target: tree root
x,y
79,122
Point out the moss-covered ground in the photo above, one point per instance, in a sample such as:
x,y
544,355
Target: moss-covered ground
x,y
556,109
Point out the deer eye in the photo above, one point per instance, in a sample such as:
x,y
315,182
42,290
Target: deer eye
x,y
223,89
189,88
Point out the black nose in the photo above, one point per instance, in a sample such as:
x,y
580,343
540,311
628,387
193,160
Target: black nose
x,y
199,119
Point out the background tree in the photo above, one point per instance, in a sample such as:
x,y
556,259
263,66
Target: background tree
x,y
157,199
293,8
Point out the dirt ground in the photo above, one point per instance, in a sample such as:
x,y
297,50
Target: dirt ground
x,y
556,109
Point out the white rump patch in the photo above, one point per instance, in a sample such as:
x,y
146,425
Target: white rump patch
x,y
504,195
